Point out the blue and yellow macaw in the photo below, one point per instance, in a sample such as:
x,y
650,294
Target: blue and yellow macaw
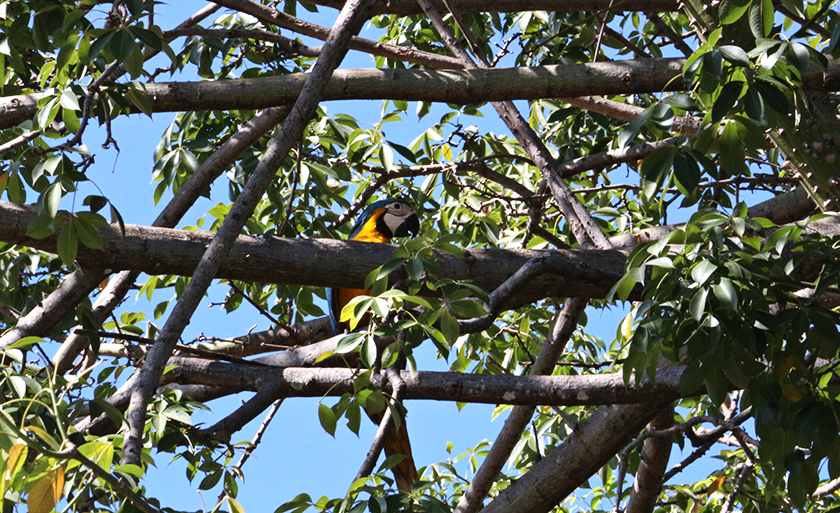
x,y
380,222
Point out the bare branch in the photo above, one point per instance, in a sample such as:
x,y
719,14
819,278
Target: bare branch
x,y
654,462
385,425
349,21
271,15
565,323
286,44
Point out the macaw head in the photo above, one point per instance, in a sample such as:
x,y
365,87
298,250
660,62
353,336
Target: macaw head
x,y
389,217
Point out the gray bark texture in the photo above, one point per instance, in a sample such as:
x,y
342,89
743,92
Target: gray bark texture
x,y
447,86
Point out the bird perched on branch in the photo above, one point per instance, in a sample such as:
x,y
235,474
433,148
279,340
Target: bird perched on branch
x,y
380,222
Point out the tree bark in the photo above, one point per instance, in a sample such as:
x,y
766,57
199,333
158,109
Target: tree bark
x,y
348,23
409,7
572,390
324,262
587,449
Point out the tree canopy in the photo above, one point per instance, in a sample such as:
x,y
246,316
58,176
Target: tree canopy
x,y
673,158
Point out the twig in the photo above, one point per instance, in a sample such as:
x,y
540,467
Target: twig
x,y
397,392
746,470
259,308
255,442
289,45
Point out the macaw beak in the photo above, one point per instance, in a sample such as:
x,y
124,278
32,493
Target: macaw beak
x,y
409,227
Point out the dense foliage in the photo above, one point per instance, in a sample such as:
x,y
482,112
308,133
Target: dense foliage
x,y
721,117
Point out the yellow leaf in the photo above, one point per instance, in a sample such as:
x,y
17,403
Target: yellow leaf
x,y
785,366
792,393
715,485
234,506
45,494
54,445
17,456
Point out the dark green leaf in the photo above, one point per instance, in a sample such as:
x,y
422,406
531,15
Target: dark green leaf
x,y
735,55
632,129
727,99
754,106
772,96
731,11
686,171
681,101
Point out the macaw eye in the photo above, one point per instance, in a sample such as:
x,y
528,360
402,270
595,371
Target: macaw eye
x,y
397,206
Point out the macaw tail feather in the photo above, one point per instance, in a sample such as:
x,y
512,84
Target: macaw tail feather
x,y
397,442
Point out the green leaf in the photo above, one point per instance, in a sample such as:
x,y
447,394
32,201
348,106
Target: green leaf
x,y
754,107
52,197
702,270
726,294
772,96
450,328
368,352
662,116
697,306
691,378
68,243
97,46
686,171
731,11
727,99
327,418
681,101
735,55
761,17
632,129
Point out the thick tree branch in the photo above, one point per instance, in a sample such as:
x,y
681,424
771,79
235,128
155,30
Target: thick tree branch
x,y
409,7
348,22
323,262
561,390
447,86
582,453
565,323
654,462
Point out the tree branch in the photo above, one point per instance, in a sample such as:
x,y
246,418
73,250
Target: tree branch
x,y
463,87
654,462
349,21
409,7
323,262
565,323
272,16
560,390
